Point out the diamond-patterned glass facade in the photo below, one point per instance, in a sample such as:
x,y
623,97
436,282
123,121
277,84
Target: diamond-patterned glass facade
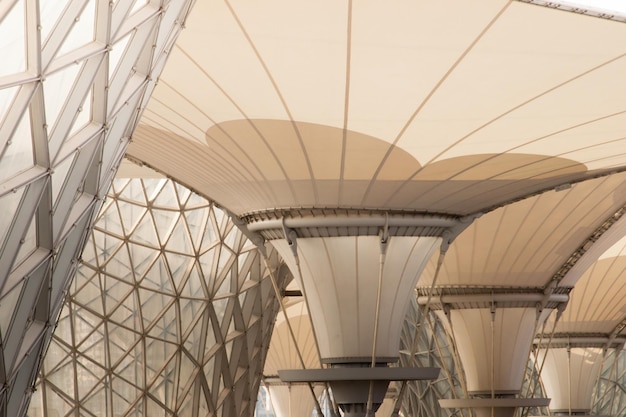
x,y
75,75
170,313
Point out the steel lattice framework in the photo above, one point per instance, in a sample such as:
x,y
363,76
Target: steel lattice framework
x,y
74,79
170,313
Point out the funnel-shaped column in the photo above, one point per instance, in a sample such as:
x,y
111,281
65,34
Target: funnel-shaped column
x,y
340,279
569,377
494,333
357,273
289,400
494,347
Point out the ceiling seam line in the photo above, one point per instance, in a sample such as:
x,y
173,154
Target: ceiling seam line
x,y
427,99
286,108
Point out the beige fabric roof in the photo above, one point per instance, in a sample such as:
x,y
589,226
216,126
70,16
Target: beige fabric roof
x,y
450,107
435,106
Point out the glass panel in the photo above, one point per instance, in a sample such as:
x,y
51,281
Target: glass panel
x,y
7,307
131,191
6,98
167,196
56,89
29,245
9,203
82,31
179,240
151,321
50,11
59,176
18,156
13,42
84,116
116,53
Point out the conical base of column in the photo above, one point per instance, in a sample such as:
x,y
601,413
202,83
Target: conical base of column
x,y
496,407
351,383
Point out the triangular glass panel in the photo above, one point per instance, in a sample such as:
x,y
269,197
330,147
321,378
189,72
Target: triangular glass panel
x,y
164,220
111,222
123,394
142,257
50,12
183,194
28,244
97,400
220,220
106,245
158,277
85,325
153,186
197,201
130,191
59,177
194,340
13,35
120,341
63,376
82,31
63,330
187,374
225,262
89,253
90,294
152,304
179,240
145,232
58,354
194,286
164,385
117,51
58,400
232,237
186,403
223,285
9,203
166,326
92,347
17,156
190,312
83,117
158,353
7,308
166,197
57,88
219,306
119,265
131,366
118,299
89,376
130,214
179,266
6,99
155,409
197,220
208,264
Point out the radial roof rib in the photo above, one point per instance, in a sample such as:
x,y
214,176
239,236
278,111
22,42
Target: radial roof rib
x,y
450,107
521,245
596,309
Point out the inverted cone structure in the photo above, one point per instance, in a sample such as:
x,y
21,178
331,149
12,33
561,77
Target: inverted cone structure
x,y
357,274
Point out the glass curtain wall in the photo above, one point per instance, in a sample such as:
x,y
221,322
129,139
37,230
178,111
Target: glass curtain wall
x,y
170,313
75,76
